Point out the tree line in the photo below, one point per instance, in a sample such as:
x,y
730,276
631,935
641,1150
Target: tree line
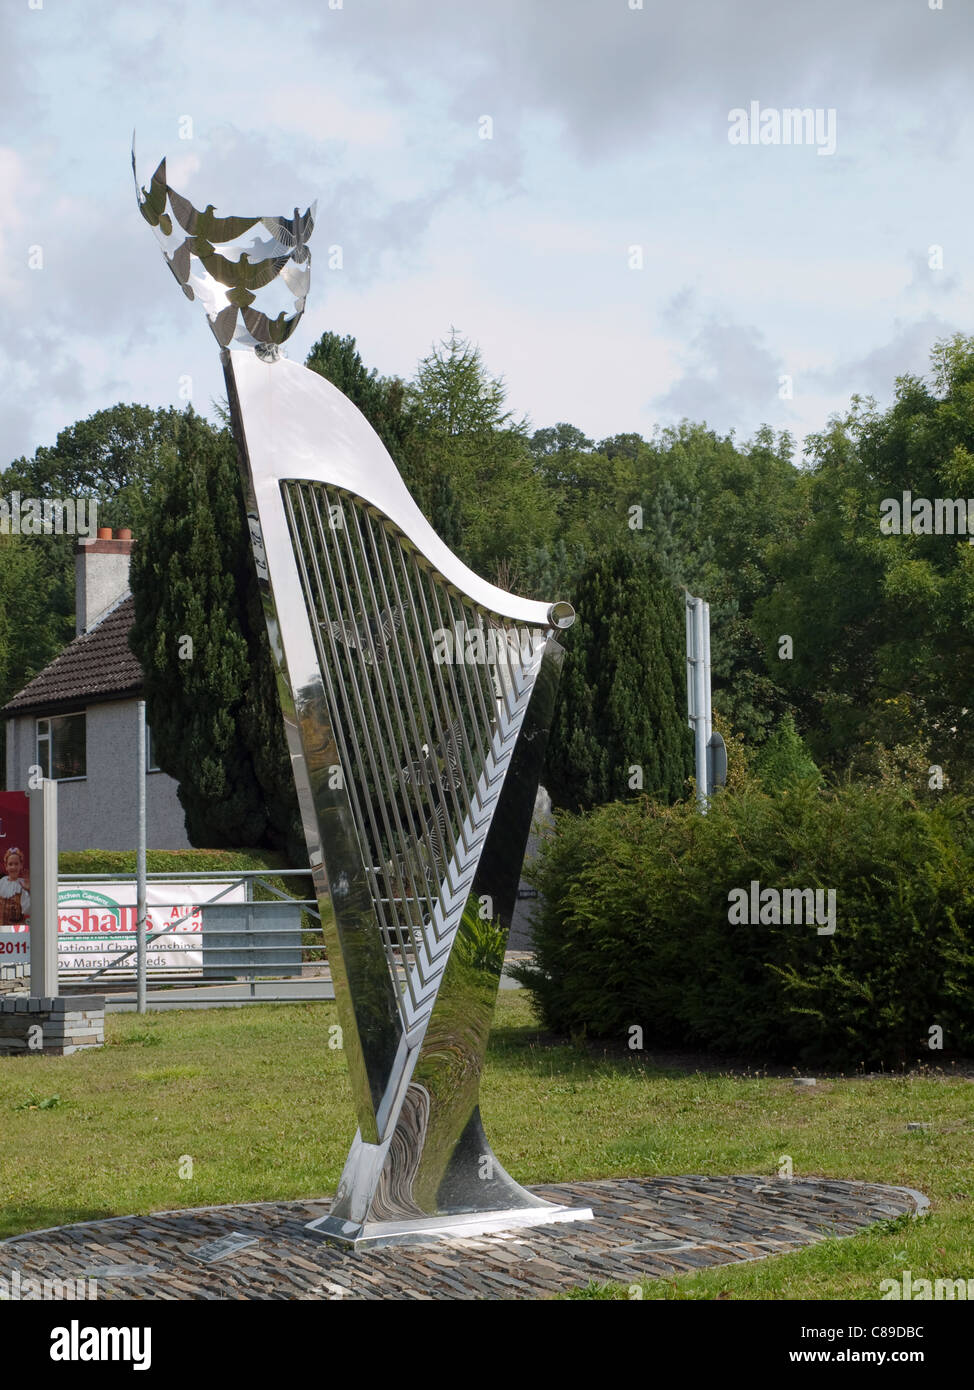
x,y
847,645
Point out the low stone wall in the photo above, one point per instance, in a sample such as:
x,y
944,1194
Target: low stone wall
x,y
52,1027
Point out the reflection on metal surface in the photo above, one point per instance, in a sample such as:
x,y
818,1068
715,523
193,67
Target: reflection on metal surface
x,y
416,766
417,778
227,284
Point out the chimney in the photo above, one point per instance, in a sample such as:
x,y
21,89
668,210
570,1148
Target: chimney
x,y
101,575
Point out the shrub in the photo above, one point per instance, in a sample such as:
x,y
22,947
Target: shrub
x,y
623,689
122,862
784,758
174,861
633,925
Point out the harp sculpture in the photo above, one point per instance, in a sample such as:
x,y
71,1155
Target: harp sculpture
x,y
417,700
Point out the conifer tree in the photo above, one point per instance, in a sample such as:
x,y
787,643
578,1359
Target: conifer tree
x,y
783,758
621,726
199,634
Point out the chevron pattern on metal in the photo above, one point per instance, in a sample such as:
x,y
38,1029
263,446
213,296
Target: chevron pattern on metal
x,y
427,695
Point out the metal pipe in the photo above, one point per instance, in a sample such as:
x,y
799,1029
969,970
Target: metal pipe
x,y
700,701
140,892
707,687
698,690
688,602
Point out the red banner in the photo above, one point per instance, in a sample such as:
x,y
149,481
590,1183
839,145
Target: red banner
x,y
14,858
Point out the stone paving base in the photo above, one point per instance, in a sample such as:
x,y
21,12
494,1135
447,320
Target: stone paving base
x,y
643,1228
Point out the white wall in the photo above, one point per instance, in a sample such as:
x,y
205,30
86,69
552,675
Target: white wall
x,y
100,811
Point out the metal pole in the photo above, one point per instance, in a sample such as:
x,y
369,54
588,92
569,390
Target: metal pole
x,y
249,955
140,862
700,705
688,608
43,890
706,678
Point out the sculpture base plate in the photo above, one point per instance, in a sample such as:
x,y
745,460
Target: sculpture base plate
x,y
432,1228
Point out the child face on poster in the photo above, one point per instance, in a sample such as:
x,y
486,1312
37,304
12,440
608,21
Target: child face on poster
x,y
14,890
13,866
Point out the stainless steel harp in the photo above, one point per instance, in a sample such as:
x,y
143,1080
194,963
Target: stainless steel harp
x,y
417,699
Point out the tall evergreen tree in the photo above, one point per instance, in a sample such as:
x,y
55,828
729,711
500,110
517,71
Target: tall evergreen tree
x,y
476,459
622,703
200,637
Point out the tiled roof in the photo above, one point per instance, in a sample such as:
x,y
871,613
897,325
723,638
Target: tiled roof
x,y
98,665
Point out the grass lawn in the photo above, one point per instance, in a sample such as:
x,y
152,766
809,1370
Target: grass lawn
x,y
258,1102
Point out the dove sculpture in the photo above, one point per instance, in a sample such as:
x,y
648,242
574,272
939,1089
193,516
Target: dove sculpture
x,y
227,280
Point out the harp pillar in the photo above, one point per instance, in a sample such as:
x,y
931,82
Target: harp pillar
x,y
417,700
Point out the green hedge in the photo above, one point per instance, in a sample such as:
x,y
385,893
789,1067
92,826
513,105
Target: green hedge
x,y
634,926
169,861
196,861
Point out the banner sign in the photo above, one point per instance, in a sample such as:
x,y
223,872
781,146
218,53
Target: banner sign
x,y
97,925
14,864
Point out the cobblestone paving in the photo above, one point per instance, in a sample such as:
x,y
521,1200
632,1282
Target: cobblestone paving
x,y
643,1227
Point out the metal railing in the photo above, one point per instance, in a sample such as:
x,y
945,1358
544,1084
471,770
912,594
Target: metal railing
x,y
263,948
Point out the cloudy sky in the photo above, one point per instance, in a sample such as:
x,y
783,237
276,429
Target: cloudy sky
x,y
609,124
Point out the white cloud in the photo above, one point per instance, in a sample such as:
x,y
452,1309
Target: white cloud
x,y
320,111
609,130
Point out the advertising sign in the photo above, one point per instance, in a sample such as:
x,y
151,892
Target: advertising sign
x,y
97,925
14,877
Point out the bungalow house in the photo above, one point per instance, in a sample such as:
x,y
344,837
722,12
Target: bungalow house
x,y
77,720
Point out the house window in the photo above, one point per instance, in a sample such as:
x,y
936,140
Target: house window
x,y
61,746
150,751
